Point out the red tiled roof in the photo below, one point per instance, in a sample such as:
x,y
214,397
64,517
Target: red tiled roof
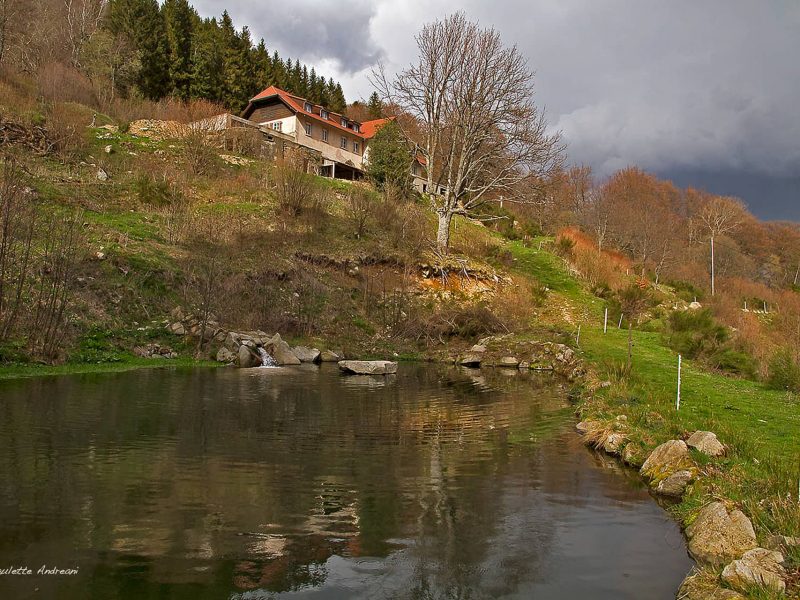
x,y
370,128
298,105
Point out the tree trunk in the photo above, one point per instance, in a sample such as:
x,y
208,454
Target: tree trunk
x,y
443,232
713,290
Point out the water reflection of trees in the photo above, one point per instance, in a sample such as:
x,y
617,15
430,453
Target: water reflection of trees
x,y
253,480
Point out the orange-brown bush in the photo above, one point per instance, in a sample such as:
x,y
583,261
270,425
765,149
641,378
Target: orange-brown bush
x,y
66,124
514,304
58,82
17,93
600,268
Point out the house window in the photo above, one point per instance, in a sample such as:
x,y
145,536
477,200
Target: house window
x,y
323,113
324,135
276,125
308,128
308,107
343,143
344,122
355,147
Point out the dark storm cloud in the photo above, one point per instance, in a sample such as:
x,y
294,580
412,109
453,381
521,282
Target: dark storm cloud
x,y
685,85
337,33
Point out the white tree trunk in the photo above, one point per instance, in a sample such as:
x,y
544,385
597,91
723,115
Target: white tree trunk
x,y
443,232
712,266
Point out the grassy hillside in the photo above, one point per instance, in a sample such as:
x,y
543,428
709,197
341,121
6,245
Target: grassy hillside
x,y
166,223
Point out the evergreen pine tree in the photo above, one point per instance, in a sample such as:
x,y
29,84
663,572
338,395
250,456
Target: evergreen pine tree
x,y
338,98
262,66
180,20
207,64
248,71
297,78
236,66
324,96
278,71
389,157
313,87
141,22
288,83
375,106
304,83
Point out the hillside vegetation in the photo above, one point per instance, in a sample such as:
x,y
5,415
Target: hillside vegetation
x,y
111,226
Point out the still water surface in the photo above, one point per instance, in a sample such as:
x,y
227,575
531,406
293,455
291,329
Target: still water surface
x,y
303,483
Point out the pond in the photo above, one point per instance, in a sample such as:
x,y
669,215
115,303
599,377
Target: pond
x,y
304,483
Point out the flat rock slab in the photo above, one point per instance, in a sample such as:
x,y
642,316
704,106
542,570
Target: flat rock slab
x,y
508,361
368,367
706,442
717,537
757,567
473,359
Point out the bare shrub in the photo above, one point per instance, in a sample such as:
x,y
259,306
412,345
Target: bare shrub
x,y
58,82
432,325
295,189
59,256
403,222
67,125
17,93
17,226
243,140
206,271
360,202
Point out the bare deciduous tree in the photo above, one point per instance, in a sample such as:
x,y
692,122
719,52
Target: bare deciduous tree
x,y
9,9
720,215
83,19
482,136
60,253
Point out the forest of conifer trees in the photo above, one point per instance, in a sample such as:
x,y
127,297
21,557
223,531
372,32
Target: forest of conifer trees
x,y
151,50
188,57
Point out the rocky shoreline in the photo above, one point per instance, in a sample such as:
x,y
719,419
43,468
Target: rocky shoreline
x,y
718,535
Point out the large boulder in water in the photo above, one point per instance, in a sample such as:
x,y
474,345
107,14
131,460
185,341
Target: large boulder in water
x,y
280,351
368,367
247,357
717,537
306,354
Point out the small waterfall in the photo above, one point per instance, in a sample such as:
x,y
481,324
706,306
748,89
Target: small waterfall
x,y
266,359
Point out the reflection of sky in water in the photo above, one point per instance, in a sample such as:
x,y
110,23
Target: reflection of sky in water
x,y
302,483
545,542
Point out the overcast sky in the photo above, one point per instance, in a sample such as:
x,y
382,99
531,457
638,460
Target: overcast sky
x,y
706,92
